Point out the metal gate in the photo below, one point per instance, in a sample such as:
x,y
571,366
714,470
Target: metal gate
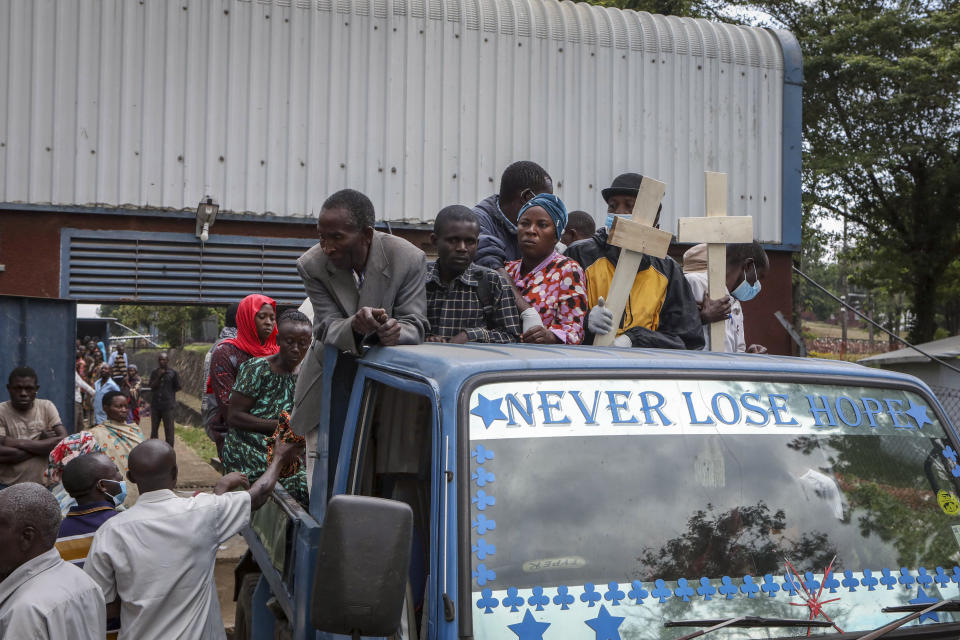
x,y
133,266
41,333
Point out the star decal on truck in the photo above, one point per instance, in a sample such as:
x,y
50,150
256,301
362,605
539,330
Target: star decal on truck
x,y
488,410
919,413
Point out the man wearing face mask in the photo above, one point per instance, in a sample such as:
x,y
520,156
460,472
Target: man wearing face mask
x,y
497,214
747,265
661,311
94,481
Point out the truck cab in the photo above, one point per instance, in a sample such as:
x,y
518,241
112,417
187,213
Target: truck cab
x,y
582,492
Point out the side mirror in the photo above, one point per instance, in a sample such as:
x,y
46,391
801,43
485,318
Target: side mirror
x,y
363,564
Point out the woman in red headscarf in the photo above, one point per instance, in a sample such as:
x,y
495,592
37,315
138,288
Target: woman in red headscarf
x,y
256,337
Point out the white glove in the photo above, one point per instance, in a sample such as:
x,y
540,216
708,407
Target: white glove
x,y
530,318
600,319
623,341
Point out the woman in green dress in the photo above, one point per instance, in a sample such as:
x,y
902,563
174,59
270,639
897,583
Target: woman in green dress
x,y
262,391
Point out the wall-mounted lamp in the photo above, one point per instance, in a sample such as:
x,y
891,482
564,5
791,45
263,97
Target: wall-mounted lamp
x,y
206,215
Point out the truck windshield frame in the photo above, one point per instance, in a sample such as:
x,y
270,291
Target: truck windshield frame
x,y
465,603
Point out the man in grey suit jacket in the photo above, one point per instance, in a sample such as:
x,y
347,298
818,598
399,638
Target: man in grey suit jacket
x,y
366,288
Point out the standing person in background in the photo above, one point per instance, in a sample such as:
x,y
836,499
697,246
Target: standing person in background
x,y
80,387
263,390
102,387
93,371
747,265
208,404
134,382
580,226
164,384
29,429
81,360
118,365
552,284
256,337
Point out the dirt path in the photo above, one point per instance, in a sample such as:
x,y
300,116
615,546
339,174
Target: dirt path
x,y
195,474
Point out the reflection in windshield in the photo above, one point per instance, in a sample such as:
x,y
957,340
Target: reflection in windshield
x,y
740,541
735,505
588,500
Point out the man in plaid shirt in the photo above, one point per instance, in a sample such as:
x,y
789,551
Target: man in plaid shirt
x,y
466,302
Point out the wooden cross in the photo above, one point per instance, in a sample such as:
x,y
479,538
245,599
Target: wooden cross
x,y
635,237
717,229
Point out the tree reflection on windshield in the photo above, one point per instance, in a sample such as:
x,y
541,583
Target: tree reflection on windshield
x,y
739,541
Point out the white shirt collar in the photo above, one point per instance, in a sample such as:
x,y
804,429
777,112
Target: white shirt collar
x,y
27,571
160,495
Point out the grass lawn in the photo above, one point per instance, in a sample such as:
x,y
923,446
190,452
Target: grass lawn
x,y
826,330
203,347
197,440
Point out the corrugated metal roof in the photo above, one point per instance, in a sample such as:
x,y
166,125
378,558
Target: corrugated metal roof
x,y
946,349
269,106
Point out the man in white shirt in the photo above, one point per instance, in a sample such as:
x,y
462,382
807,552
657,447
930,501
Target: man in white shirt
x,y
157,558
747,265
41,596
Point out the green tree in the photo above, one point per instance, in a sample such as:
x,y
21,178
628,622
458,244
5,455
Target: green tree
x,y
174,323
881,89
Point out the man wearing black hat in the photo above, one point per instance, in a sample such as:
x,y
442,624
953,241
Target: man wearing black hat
x,y
661,311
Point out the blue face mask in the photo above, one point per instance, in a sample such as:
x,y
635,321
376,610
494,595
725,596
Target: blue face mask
x,y
746,291
120,497
609,222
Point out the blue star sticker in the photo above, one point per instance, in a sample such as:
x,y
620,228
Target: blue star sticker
x,y
529,629
488,410
919,413
923,598
605,625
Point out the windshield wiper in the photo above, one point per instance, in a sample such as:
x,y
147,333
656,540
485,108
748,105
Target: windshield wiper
x,y
918,609
742,621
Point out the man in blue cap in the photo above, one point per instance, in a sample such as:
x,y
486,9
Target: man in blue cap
x,y
661,311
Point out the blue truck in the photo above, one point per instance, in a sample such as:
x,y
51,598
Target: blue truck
x,y
520,491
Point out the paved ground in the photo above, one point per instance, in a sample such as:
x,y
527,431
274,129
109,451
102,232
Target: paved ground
x,y
195,475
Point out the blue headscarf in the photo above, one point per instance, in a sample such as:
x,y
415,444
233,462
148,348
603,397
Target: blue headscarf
x,y
553,206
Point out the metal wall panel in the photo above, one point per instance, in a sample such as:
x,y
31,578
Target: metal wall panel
x,y
269,106
134,266
41,333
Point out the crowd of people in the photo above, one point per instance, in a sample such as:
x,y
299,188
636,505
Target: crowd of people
x,y
515,268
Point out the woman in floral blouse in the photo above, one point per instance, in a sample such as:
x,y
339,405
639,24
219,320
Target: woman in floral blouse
x,y
553,285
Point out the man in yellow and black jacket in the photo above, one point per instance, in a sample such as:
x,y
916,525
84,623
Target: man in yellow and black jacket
x,y
661,311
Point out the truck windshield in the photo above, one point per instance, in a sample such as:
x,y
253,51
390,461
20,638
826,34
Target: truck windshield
x,y
622,504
